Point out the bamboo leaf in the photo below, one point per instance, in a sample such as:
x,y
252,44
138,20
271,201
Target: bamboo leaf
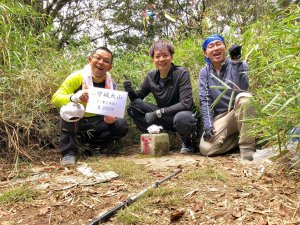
x,y
271,102
285,104
231,100
219,80
276,63
219,87
218,99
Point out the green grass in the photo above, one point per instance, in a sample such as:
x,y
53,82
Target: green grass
x,y
209,173
18,194
124,168
157,198
127,217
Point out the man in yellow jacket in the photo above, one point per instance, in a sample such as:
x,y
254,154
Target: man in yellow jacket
x,y
72,96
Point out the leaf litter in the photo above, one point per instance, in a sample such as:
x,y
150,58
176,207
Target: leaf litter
x,y
240,193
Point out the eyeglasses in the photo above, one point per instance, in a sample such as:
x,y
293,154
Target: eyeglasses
x,y
216,44
99,59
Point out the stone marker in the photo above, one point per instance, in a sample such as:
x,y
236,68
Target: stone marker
x,y
155,144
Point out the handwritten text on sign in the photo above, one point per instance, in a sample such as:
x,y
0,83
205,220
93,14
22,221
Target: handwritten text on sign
x,y
106,102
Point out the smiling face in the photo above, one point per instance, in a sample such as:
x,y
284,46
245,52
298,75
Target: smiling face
x,y
101,62
215,51
162,59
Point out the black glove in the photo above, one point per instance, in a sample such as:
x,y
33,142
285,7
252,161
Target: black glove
x,y
235,52
150,117
208,134
127,85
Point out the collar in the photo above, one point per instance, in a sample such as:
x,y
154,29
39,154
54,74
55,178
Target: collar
x,y
168,77
223,65
98,80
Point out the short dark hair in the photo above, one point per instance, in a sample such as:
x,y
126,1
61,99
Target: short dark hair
x,y
159,45
105,49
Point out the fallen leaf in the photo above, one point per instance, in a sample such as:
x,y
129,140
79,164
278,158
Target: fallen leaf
x,y
212,189
281,210
5,223
248,172
176,215
121,197
180,166
263,222
243,195
237,214
43,186
259,206
219,215
198,206
158,201
3,213
221,195
192,192
157,212
192,214
43,211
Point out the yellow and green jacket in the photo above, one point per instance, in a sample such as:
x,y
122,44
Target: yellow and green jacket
x,y
71,85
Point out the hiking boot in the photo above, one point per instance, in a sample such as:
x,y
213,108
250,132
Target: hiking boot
x,y
186,149
247,153
68,160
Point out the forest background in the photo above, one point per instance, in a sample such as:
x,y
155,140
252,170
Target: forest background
x,y
41,42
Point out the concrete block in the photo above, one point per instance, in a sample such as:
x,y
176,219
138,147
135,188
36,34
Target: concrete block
x,y
155,144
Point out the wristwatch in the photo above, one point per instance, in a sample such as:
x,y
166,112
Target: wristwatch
x,y
159,112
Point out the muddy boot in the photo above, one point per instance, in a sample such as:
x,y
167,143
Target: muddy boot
x,y
68,160
186,149
247,153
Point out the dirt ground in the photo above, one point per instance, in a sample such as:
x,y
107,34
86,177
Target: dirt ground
x,y
216,190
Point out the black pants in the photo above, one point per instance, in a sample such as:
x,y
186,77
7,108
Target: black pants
x,y
182,122
92,130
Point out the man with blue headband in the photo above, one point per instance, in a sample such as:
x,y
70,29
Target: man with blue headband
x,y
223,85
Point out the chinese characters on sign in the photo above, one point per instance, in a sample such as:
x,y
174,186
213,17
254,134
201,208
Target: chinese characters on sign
x,y
106,102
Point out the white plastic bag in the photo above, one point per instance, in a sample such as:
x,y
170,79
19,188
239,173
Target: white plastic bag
x,y
154,129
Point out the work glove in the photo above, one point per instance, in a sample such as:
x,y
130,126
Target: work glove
x,y
127,85
150,117
235,52
208,134
76,97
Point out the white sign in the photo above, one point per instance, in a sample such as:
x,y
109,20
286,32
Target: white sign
x,y
106,102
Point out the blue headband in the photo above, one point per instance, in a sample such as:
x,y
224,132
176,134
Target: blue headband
x,y
213,37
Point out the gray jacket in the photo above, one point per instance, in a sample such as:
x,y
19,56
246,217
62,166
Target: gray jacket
x,y
233,74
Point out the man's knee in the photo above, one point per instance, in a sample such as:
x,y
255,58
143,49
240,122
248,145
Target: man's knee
x,y
243,98
205,150
121,127
208,151
185,123
134,107
208,148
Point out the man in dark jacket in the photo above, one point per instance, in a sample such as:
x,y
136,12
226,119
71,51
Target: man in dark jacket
x,y
172,90
223,85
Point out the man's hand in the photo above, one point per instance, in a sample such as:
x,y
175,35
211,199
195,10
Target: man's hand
x,y
150,117
235,52
127,85
80,96
208,134
109,119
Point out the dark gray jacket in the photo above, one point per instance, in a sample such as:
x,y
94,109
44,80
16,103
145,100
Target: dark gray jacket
x,y
174,94
233,74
